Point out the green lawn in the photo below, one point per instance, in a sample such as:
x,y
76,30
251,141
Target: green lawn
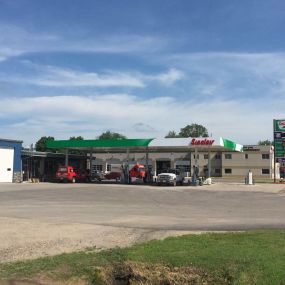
x,y
228,258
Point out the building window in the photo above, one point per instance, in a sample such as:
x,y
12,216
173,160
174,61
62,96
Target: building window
x,y
218,171
183,168
265,171
246,156
109,167
265,156
228,170
206,156
197,156
217,156
98,167
228,156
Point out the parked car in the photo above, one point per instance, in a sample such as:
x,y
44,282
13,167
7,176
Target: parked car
x,y
170,177
97,175
70,174
113,175
66,174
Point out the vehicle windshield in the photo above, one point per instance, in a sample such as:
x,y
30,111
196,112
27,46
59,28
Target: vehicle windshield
x,y
62,169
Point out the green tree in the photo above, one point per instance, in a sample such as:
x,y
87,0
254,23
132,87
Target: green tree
x,y
171,134
41,144
194,131
77,152
108,135
265,142
79,138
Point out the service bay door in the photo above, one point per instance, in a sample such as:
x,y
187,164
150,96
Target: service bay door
x,y
6,164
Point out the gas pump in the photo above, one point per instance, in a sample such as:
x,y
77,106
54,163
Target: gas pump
x,y
195,176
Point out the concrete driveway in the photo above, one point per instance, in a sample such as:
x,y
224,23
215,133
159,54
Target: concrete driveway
x,y
43,219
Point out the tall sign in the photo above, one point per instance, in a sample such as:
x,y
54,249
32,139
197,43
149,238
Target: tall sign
x,y
279,142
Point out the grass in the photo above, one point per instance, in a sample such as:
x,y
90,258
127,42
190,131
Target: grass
x,y
256,257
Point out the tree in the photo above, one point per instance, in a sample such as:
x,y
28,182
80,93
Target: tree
x,y
41,144
79,138
77,152
266,142
108,135
193,131
171,134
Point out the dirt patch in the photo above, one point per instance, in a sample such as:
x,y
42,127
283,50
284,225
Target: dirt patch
x,y
135,273
23,239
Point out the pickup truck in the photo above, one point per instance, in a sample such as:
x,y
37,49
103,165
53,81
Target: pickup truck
x,y
171,177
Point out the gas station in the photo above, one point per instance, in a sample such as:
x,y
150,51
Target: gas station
x,y
157,155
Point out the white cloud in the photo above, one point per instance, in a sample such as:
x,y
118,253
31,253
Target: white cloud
x,y
167,78
226,74
65,116
56,77
15,41
52,76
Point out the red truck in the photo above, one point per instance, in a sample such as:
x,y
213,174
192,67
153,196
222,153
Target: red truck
x,y
69,174
137,172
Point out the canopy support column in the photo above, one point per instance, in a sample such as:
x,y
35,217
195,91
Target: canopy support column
x,y
91,162
127,177
147,166
209,163
66,157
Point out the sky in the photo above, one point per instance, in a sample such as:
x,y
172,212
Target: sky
x,y
141,68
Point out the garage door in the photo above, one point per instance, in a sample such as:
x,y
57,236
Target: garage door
x,y
6,164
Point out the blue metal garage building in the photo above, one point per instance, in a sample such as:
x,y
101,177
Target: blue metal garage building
x,y
10,160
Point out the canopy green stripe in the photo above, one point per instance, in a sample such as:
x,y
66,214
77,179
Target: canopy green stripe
x,y
119,143
231,145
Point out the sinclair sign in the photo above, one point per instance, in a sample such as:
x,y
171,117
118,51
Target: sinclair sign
x,y
279,126
279,139
202,141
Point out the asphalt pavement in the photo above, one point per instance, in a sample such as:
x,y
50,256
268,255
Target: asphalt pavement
x,y
214,207
47,219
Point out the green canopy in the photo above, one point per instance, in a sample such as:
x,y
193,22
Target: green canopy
x,y
118,143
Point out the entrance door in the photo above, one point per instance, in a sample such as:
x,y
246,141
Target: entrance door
x,y
162,166
6,164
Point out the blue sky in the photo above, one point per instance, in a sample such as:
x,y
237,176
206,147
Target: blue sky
x,y
141,68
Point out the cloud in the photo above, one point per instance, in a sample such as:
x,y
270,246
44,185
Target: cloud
x,y
16,41
57,77
232,75
51,76
143,128
167,78
65,116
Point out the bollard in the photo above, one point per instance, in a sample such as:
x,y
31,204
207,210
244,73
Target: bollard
x,y
249,178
